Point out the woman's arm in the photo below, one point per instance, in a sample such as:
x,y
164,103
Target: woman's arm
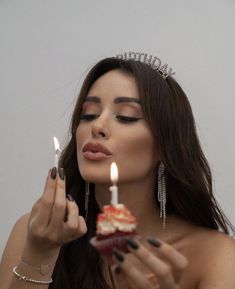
x,y
14,250
35,242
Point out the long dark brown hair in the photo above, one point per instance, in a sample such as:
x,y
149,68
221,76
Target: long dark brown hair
x,y
189,185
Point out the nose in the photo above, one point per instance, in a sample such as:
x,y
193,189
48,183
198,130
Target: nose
x,y
100,128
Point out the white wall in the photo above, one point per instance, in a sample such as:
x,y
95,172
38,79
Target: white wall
x,y
46,48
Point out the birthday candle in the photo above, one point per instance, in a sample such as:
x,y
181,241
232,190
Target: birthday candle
x,y
114,179
57,151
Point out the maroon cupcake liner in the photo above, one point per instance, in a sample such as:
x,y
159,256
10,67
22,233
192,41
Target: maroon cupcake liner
x,y
106,245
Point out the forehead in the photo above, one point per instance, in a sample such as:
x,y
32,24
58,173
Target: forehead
x,y
115,83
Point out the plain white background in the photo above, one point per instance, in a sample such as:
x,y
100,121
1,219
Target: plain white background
x,y
46,49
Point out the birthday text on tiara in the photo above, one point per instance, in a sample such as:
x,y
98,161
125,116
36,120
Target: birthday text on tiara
x,y
153,61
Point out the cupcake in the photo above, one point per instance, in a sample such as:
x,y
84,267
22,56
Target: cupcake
x,y
114,225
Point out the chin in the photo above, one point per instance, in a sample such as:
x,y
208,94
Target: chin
x,y
96,176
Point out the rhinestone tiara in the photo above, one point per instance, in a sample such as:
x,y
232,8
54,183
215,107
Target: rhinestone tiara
x,y
153,61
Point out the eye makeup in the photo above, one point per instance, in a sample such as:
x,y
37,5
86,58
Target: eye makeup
x,y
126,109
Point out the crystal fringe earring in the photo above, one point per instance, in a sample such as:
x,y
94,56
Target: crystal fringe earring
x,y
87,194
161,194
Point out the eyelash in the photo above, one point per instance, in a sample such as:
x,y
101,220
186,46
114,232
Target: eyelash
x,y
121,118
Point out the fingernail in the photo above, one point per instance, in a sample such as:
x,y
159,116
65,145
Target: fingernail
x,y
118,255
132,243
70,198
53,173
154,242
61,173
118,270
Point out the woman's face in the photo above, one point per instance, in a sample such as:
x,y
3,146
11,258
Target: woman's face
x,y
112,129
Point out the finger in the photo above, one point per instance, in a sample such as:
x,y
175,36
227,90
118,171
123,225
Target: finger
x,y
45,203
74,220
161,269
71,224
178,261
136,278
82,228
120,279
59,206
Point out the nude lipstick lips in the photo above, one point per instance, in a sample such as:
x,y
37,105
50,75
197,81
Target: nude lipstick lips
x,y
95,152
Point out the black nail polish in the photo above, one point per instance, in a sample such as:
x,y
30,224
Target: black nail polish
x,y
53,173
118,255
154,242
61,173
132,243
118,270
70,198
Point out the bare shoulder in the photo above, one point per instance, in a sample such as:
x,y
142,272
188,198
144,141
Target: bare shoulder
x,y
13,248
217,254
212,241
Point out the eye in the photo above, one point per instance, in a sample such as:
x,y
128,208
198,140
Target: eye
x,y
88,117
127,119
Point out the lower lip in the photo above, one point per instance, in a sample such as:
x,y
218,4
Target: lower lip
x,y
95,156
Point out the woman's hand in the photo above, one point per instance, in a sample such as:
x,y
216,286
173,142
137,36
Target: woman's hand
x,y
54,219
165,266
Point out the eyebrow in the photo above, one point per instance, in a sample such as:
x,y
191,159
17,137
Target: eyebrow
x,y
119,99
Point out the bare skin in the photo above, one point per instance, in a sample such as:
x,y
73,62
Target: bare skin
x,y
37,237
210,256
134,150
189,257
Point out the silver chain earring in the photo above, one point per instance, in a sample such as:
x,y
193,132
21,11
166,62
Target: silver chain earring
x,y
87,194
161,194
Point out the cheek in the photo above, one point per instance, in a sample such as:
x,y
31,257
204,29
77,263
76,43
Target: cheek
x,y
81,133
137,142
138,153
81,136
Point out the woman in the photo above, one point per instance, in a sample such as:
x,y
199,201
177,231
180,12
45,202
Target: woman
x,y
135,114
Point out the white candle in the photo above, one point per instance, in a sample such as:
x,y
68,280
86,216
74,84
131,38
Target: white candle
x,y
57,151
114,179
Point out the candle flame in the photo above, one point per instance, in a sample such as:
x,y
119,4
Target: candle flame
x,y
114,172
56,144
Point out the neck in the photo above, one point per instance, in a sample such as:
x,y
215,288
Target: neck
x,y
141,200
